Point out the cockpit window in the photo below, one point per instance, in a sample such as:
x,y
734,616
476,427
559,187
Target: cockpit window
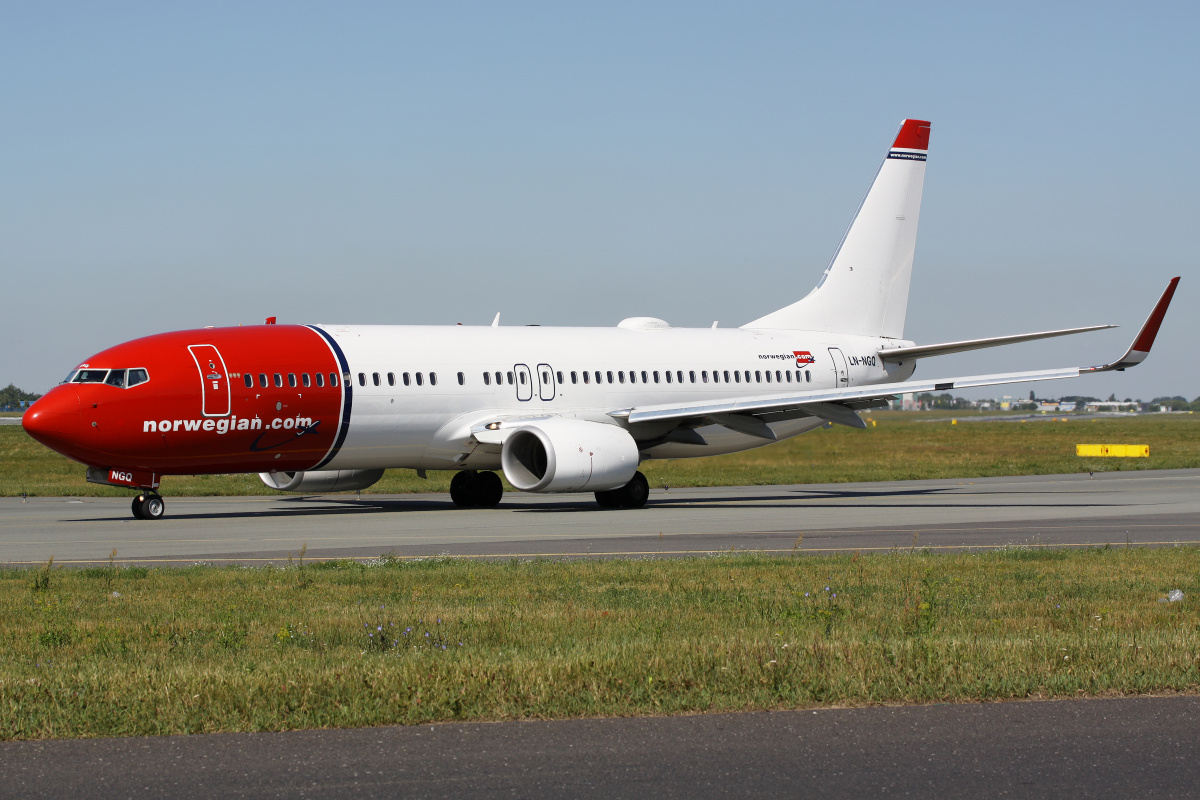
x,y
90,376
136,376
116,378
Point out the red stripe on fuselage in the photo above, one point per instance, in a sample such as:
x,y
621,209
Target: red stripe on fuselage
x,y
160,426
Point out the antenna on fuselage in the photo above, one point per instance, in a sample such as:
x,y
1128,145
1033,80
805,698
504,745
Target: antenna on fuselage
x,y
496,321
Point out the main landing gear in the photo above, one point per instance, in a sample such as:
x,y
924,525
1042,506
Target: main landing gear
x,y
148,505
632,495
471,489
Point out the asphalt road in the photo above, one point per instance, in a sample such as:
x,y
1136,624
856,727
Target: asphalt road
x,y
1146,508
1120,748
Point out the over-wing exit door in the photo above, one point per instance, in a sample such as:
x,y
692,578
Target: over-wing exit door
x,y
213,378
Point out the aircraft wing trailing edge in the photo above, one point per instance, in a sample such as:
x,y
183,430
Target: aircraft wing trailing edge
x,y
838,405
946,348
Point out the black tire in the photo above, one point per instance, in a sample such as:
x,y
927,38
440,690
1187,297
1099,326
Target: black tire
x,y
462,488
137,506
153,507
635,493
487,490
609,499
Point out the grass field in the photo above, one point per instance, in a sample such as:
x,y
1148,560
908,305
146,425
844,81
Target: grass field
x,y
900,446
112,651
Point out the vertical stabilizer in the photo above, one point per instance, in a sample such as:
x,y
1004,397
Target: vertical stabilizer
x,y
865,288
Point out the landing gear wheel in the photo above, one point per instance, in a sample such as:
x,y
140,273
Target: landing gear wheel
x,y
149,506
486,490
632,495
462,488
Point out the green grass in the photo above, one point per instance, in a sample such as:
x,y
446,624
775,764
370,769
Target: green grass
x,y
900,446
136,651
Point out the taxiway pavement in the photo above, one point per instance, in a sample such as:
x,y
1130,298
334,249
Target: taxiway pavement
x,y
1139,508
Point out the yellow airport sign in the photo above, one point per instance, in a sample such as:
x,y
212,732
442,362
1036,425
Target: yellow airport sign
x,y
1113,450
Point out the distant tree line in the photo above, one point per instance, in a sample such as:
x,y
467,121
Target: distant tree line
x,y
11,397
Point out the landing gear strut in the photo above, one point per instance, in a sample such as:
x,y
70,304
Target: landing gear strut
x,y
148,505
632,495
471,489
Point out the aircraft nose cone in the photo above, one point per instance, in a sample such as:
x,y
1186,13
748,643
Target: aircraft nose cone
x,y
54,419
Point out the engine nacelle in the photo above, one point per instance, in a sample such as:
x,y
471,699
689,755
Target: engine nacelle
x,y
569,455
326,480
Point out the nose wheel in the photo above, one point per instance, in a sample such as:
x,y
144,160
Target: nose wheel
x,y
148,505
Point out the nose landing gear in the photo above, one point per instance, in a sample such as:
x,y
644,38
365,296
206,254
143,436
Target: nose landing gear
x,y
148,505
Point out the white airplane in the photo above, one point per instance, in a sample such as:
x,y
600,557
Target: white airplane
x,y
316,408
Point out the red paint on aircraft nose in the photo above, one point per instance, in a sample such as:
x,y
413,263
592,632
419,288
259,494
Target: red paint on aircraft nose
x,y
54,419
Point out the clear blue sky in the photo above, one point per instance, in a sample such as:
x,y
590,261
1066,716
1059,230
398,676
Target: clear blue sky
x,y
173,165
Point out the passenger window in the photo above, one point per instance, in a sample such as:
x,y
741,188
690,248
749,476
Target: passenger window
x,y
574,377
333,379
462,379
249,381
262,380
521,375
656,376
499,380
487,379
362,379
679,375
727,376
587,376
292,379
305,380
545,378
278,380
420,379
137,376
598,377
375,378
320,379
668,375
405,377
560,378
716,376
704,375
609,376
116,378
621,376
737,376
757,376
807,376
692,375
510,378
433,379
788,374
768,376
778,377
391,379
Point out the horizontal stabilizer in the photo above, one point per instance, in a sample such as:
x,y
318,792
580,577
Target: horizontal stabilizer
x,y
945,349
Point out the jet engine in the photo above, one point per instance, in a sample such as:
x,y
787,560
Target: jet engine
x,y
569,455
326,480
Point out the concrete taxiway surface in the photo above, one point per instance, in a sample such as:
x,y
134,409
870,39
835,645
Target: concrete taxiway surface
x,y
1136,747
1144,508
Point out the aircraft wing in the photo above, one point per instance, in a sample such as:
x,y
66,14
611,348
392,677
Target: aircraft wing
x,y
750,414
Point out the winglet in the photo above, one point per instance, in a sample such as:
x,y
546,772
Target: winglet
x,y
1142,343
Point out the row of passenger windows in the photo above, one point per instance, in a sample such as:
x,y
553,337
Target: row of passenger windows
x,y
293,379
620,376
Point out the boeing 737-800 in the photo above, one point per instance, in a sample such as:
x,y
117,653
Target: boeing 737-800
x,y
323,408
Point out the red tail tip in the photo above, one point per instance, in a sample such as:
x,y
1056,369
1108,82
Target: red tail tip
x,y
914,135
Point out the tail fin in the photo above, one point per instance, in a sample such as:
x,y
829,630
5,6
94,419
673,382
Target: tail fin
x,y
865,288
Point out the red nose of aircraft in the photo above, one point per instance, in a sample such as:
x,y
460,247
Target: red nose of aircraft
x,y
54,419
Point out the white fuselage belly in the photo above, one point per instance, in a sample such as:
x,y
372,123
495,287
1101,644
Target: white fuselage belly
x,y
428,426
